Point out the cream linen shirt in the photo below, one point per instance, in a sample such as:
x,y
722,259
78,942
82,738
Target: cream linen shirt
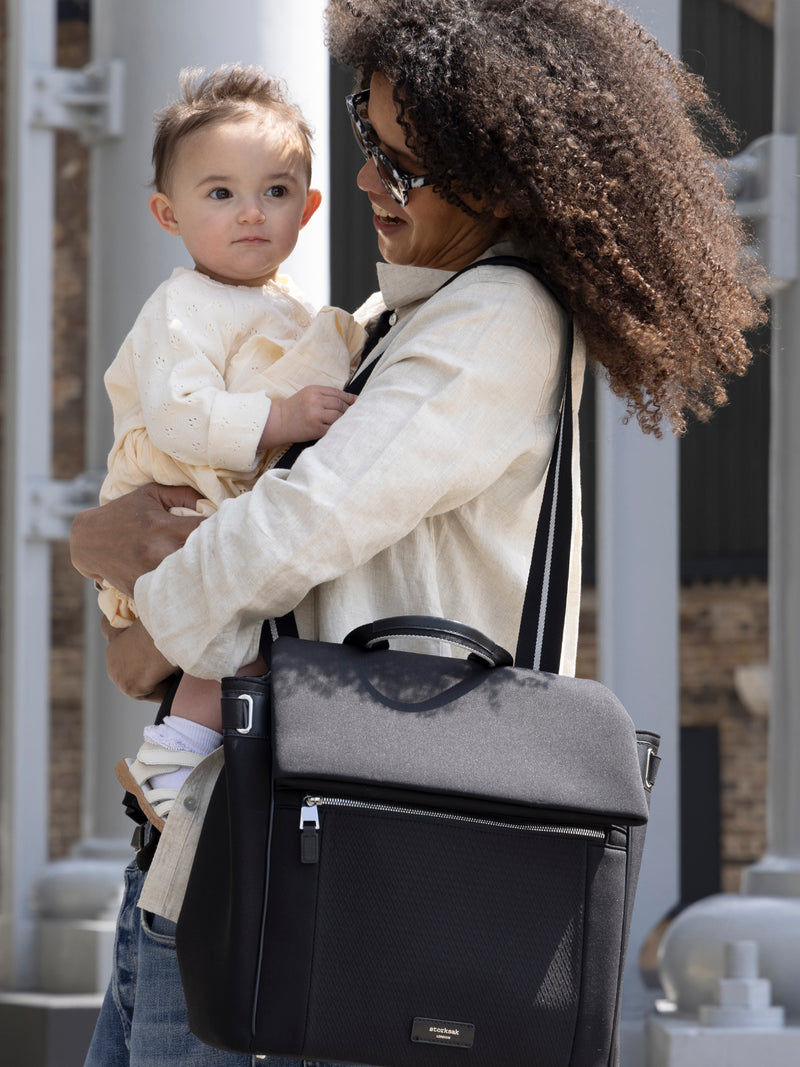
x,y
422,499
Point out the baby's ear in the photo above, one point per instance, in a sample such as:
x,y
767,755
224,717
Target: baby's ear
x,y
161,208
313,200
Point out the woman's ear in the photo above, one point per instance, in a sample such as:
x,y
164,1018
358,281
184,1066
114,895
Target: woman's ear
x,y
161,208
313,200
478,205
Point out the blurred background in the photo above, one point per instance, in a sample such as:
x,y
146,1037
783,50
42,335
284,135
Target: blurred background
x,y
62,834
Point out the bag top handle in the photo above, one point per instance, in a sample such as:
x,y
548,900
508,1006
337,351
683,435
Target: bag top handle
x,y
374,635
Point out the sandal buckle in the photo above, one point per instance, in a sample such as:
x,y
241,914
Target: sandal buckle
x,y
138,841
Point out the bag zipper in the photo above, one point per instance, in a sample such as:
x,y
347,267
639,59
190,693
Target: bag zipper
x,y
310,827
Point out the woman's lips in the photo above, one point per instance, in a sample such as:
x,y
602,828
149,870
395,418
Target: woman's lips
x,y
384,219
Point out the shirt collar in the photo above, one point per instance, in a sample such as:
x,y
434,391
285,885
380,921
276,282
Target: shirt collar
x,y
401,285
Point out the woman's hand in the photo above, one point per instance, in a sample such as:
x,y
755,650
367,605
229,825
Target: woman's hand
x,y
130,536
134,664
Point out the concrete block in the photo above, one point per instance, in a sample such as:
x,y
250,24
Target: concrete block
x,y
44,1030
75,956
681,1042
745,993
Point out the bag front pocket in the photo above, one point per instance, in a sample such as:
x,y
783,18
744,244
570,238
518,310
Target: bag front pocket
x,y
473,925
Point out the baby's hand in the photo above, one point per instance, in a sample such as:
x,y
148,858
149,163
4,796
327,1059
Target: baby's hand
x,y
306,416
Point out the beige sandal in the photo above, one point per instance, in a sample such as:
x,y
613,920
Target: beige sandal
x,y
135,774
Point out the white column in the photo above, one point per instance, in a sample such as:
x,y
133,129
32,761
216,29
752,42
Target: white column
x,y
778,873
637,566
27,452
130,255
638,655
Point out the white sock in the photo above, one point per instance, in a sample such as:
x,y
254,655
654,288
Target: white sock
x,y
177,734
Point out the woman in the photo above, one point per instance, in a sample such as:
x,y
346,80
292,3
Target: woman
x,y
557,131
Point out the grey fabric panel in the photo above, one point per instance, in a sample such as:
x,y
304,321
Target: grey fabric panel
x,y
453,726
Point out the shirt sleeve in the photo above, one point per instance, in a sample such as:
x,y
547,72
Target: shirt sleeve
x,y
179,346
469,384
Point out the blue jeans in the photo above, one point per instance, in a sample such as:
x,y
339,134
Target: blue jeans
x,y
143,1020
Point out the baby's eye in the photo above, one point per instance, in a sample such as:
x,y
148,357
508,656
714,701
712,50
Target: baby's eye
x,y
220,193
276,191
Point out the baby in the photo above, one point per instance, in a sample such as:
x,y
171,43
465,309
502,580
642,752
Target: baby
x,y
226,364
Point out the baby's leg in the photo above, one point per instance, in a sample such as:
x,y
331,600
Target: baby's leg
x,y
197,700
173,748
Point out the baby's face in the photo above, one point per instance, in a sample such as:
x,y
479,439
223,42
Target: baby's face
x,y
238,198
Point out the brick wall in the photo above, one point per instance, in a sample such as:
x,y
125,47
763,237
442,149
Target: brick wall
x,y
71,240
723,626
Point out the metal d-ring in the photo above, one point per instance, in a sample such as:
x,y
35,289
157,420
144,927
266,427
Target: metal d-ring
x,y
249,719
651,757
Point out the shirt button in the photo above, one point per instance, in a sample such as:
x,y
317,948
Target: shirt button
x,y
190,803
393,318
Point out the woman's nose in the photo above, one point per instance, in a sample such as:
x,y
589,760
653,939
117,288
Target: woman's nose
x,y
367,178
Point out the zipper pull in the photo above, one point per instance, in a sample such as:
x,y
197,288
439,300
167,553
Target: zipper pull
x,y
309,832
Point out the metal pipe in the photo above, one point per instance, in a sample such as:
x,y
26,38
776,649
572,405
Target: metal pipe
x,y
637,568
778,873
29,204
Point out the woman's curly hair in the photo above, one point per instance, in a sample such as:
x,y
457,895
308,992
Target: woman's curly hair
x,y
571,116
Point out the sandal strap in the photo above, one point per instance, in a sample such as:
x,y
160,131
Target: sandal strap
x,y
151,760
155,759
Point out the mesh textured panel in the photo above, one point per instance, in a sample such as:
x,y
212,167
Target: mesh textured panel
x,y
499,944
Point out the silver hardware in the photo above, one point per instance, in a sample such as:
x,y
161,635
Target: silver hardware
x,y
248,700
308,814
88,100
51,505
311,802
763,181
651,756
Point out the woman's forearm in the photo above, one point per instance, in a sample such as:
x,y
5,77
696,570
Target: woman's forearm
x,y
134,664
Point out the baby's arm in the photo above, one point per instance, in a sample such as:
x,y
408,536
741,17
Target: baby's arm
x,y
172,378
305,416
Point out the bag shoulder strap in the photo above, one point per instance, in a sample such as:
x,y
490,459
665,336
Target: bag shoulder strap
x,y
541,629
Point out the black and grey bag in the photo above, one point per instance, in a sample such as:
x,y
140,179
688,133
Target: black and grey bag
x,y
412,860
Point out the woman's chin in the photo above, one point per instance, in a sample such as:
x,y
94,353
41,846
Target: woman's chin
x,y
391,244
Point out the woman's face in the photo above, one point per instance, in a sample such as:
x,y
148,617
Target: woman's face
x,y
427,232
